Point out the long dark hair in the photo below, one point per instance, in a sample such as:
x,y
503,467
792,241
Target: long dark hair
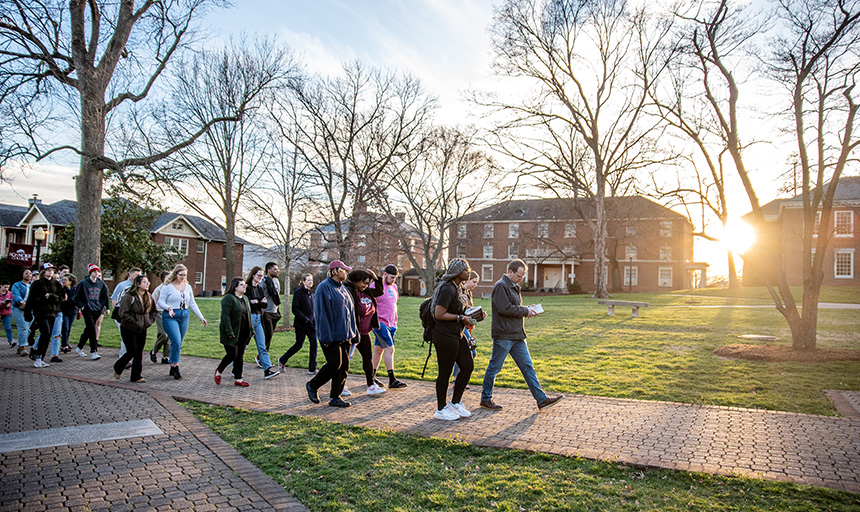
x,y
135,286
250,279
358,275
233,284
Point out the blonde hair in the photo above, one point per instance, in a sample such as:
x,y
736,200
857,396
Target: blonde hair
x,y
172,275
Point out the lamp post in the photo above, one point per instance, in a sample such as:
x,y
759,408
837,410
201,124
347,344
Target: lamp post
x,y
39,235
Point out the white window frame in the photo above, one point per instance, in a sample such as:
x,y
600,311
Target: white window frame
x,y
631,252
630,229
180,245
198,278
543,230
631,270
816,223
461,251
665,253
461,231
362,258
660,281
201,246
850,254
488,230
488,252
514,230
666,228
570,230
513,251
487,273
849,233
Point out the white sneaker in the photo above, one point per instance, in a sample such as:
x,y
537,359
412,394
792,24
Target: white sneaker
x,y
257,360
80,352
345,392
459,409
446,414
95,356
40,364
375,390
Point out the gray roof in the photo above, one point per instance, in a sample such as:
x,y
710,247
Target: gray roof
x,y
11,215
566,208
848,189
207,229
60,213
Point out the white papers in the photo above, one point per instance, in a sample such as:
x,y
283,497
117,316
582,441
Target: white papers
x,y
537,308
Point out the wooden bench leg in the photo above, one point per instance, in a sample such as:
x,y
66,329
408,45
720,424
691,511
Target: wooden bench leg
x,y
611,309
635,311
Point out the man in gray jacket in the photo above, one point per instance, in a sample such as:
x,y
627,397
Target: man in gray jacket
x,y
509,336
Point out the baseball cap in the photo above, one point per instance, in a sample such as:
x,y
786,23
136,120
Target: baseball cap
x,y
92,267
338,264
391,270
46,266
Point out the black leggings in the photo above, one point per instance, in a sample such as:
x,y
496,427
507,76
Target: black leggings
x,y
236,353
134,343
335,368
46,327
365,348
449,351
301,334
89,334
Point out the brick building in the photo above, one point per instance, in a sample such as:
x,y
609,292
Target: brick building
x,y
650,247
782,230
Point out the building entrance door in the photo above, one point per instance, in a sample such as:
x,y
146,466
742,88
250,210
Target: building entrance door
x,y
552,278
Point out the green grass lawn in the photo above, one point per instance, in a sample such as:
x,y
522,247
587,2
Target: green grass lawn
x,y
334,467
666,354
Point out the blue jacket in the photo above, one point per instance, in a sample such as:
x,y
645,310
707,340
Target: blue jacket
x,y
19,291
334,312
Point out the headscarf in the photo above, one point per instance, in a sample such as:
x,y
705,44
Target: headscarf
x,y
455,268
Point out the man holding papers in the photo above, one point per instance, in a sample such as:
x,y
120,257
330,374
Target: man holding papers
x,y
509,336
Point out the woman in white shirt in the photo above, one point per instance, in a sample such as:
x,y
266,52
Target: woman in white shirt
x,y
176,298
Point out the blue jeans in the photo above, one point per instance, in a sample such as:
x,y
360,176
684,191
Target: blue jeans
x,y
7,324
67,328
175,328
519,351
23,326
55,335
260,340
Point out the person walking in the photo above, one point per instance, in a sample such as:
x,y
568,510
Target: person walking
x,y
364,298
6,312
302,307
272,312
468,286
42,308
162,342
176,299
116,296
68,309
335,326
257,298
448,307
384,334
509,337
92,297
136,313
235,330
20,293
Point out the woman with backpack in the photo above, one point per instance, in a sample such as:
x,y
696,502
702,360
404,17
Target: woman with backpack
x,y
136,313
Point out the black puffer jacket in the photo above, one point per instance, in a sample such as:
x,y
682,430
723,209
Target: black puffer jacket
x,y
44,300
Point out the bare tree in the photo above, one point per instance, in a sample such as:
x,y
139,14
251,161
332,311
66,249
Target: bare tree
x,y
813,55
224,166
583,133
349,130
77,64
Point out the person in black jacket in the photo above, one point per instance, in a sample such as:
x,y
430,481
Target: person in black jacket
x,y
272,312
364,299
93,298
303,324
42,307
136,314
68,308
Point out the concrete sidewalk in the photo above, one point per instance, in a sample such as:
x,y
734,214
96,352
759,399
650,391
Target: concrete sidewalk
x,y
801,448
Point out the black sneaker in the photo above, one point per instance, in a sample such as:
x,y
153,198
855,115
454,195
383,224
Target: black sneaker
x,y
375,381
66,349
164,360
397,384
312,393
338,402
270,372
176,374
153,357
56,359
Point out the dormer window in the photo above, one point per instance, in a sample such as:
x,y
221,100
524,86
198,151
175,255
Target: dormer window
x,y
177,226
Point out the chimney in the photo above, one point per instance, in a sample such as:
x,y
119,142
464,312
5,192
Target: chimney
x,y
400,216
34,200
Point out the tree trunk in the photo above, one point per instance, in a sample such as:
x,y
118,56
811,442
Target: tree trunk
x,y
230,244
733,272
600,265
89,185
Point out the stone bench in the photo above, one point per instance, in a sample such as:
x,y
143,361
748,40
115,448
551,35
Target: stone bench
x,y
634,305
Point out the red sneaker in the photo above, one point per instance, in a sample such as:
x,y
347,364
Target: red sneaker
x,y
217,378
240,383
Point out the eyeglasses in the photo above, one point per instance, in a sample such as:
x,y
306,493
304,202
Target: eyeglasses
x,y
182,274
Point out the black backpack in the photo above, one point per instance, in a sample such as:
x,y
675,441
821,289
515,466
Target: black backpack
x,y
427,320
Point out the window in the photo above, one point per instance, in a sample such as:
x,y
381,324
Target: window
x,y
177,226
488,252
631,251
362,241
816,223
488,231
461,231
543,230
200,246
845,224
665,228
223,284
198,278
569,251
664,276
666,253
361,258
179,244
513,252
224,251
487,273
570,230
461,251
630,229
843,263
513,230
631,273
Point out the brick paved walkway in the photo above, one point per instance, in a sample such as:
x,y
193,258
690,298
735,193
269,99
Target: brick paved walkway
x,y
802,448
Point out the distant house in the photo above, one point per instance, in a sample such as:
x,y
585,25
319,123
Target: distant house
x,y
200,243
782,231
650,247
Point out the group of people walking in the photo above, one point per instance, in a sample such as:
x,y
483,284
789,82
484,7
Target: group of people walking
x,y
341,314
